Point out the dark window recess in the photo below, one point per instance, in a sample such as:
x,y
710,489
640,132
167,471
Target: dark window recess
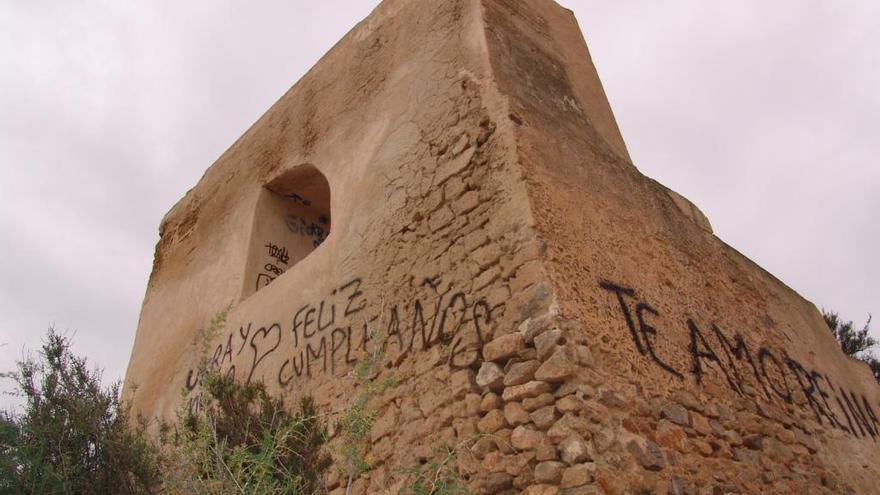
x,y
292,219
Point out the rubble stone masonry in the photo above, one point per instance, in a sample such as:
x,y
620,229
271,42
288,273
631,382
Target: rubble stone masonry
x,y
447,188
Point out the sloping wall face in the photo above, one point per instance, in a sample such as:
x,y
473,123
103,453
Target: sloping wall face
x,y
421,252
707,373
446,195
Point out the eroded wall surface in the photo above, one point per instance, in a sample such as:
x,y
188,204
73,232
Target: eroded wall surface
x,y
447,189
707,372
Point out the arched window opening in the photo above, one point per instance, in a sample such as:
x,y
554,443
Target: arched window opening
x,y
292,219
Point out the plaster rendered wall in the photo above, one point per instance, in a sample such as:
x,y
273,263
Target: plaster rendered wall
x,y
430,249
708,373
539,303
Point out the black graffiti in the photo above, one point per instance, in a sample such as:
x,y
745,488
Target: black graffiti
x,y
261,350
739,352
193,378
225,353
269,267
263,280
194,404
480,306
299,199
446,324
278,252
331,332
302,321
783,390
827,411
620,292
271,271
870,413
355,297
303,357
701,351
647,332
301,227
774,373
808,387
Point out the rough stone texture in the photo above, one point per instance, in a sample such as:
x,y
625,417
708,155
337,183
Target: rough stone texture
x,y
503,347
675,413
461,382
515,414
545,344
449,181
524,438
490,401
574,450
497,482
549,472
544,417
559,366
649,455
490,375
525,391
541,490
520,373
491,422
578,475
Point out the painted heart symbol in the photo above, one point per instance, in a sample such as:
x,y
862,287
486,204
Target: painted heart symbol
x,y
264,342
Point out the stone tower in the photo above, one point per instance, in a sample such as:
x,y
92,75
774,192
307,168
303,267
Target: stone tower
x,y
447,190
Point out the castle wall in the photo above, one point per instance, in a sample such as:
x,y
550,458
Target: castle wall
x,y
447,190
707,369
430,251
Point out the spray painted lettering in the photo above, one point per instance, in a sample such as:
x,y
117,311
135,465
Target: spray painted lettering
x,y
299,226
325,337
775,374
279,253
272,270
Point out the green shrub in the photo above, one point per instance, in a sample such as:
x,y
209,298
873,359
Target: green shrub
x,y
242,440
356,421
437,477
73,436
855,343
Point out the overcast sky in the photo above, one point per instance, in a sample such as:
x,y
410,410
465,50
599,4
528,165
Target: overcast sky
x,y
766,114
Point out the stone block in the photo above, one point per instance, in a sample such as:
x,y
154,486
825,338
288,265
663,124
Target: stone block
x,y
675,413
549,472
519,373
491,422
503,347
559,366
490,376
578,475
574,449
490,401
515,414
526,391
546,343
461,382
544,417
